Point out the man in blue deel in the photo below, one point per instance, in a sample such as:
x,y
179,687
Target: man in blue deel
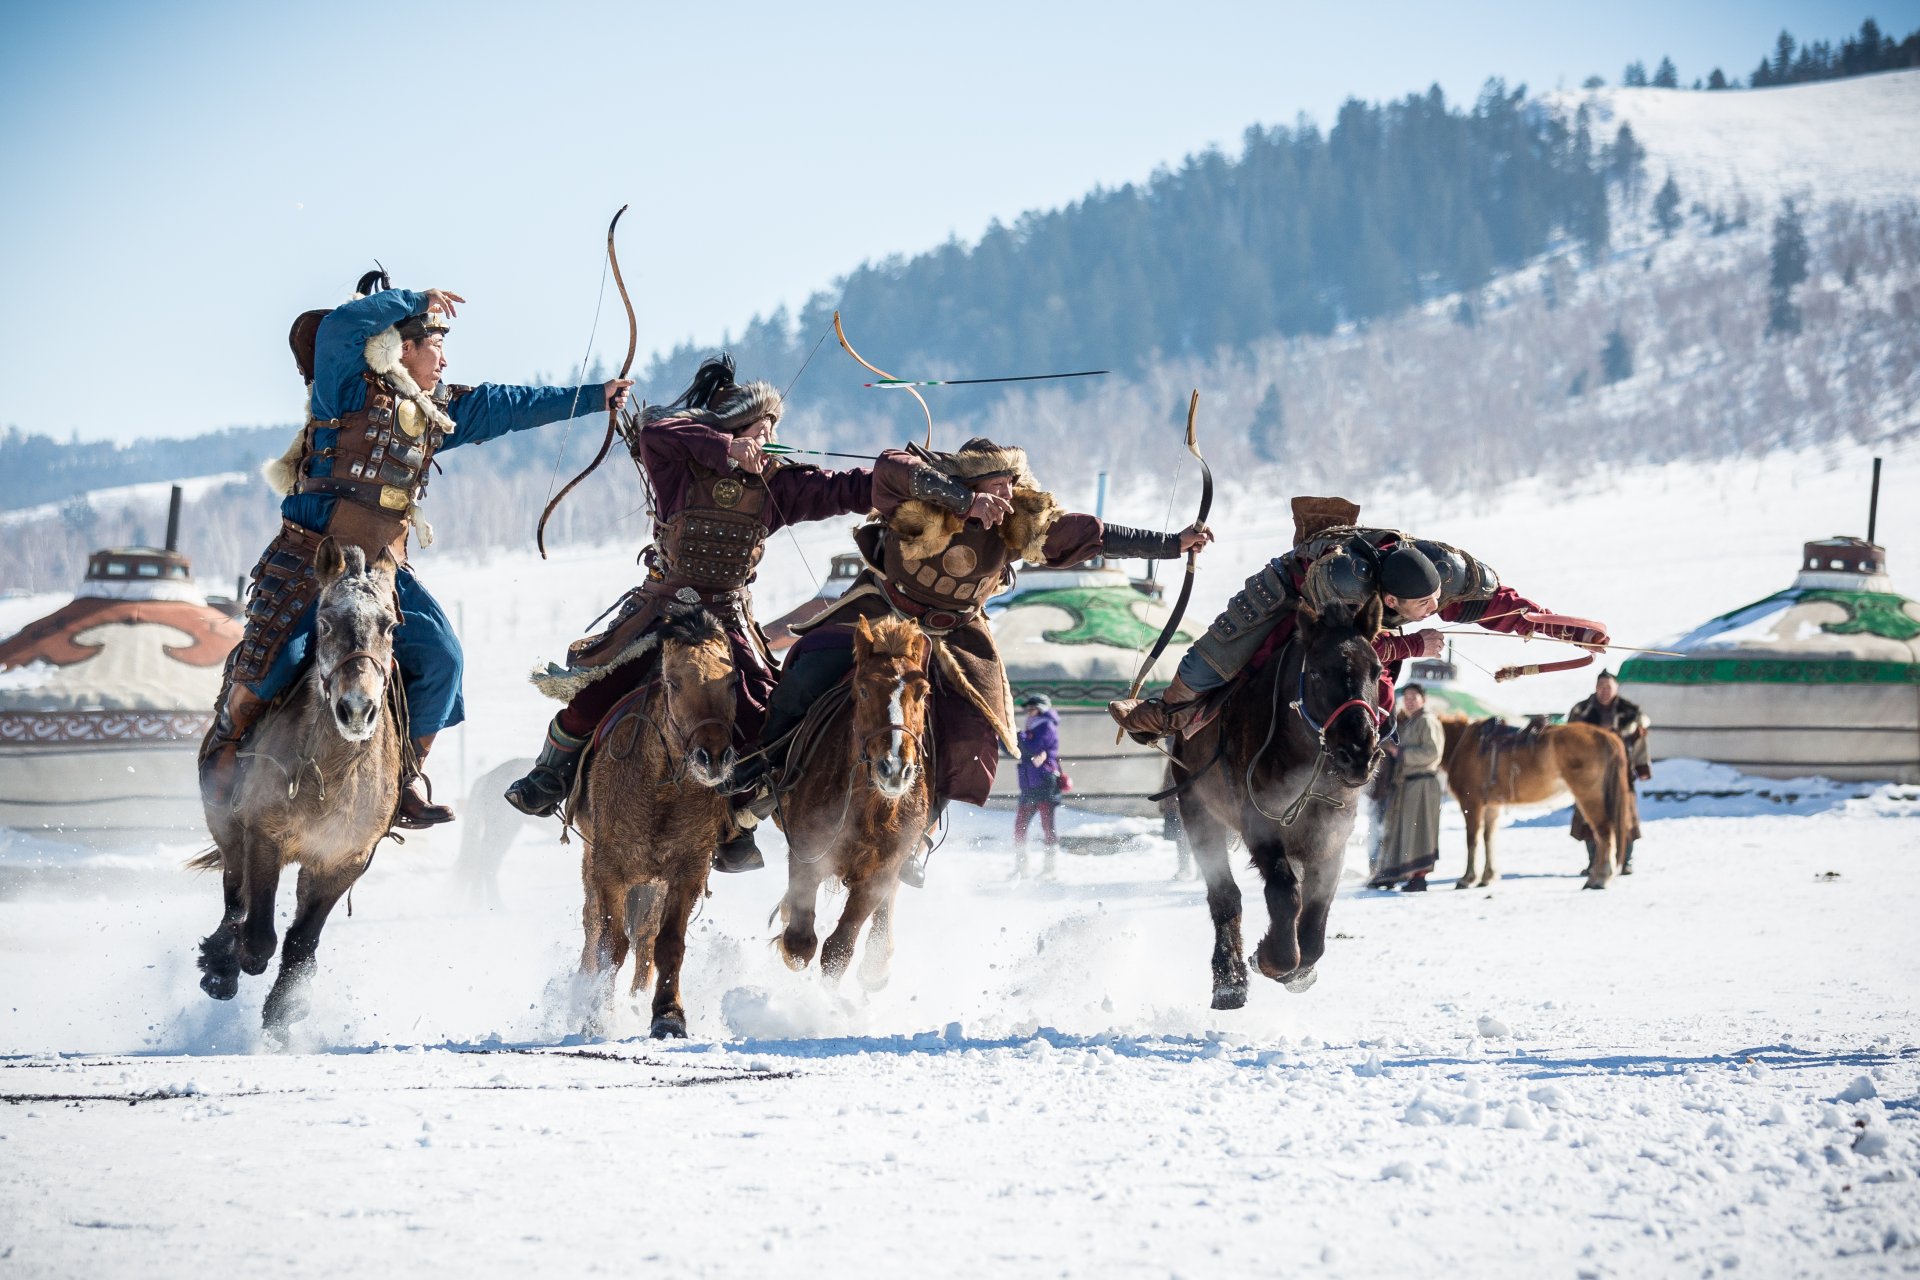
x,y
377,413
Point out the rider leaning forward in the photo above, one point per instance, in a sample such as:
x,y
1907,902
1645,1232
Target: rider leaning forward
x,y
377,414
717,496
945,531
1336,561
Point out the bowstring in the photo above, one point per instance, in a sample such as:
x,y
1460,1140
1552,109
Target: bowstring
x,y
573,408
786,524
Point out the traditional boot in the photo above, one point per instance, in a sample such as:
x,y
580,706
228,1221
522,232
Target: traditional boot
x,y
1147,719
1019,860
738,852
1046,866
418,810
550,781
220,770
913,872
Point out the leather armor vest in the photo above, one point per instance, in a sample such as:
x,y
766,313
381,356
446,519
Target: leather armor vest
x,y
380,455
714,543
961,578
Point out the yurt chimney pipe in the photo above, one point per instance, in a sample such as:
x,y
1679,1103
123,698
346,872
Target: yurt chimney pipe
x,y
173,515
1873,504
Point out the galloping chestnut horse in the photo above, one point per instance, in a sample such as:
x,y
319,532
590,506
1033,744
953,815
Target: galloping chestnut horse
x,y
1283,767
322,790
861,801
1485,776
650,810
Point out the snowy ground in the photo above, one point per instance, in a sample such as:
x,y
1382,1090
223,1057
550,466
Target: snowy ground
x,y
1714,1065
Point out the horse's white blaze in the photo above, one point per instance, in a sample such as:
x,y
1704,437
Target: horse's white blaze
x,y
896,741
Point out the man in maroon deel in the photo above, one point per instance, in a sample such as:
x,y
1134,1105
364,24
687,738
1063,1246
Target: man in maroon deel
x,y
717,495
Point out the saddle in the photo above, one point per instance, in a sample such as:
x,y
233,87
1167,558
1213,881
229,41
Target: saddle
x,y
1497,736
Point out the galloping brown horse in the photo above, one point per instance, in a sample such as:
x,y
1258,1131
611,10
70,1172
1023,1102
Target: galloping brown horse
x,y
1488,768
650,809
860,802
322,790
1283,768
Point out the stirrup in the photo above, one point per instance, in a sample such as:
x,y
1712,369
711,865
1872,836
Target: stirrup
x,y
418,812
738,854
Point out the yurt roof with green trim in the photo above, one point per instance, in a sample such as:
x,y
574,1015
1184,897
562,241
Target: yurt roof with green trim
x,y
1841,622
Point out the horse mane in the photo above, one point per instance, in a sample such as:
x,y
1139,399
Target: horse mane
x,y
894,637
694,627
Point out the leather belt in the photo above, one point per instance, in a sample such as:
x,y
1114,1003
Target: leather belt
x,y
687,594
931,617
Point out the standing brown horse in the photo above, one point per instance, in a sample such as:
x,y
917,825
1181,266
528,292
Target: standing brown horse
x,y
650,810
1283,769
322,790
1490,766
861,800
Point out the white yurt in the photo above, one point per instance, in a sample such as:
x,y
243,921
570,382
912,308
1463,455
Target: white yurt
x,y
104,701
1821,678
1078,636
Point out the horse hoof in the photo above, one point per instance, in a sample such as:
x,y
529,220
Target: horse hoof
x,y
1234,997
1464,882
1594,884
1301,981
221,984
796,960
875,981
669,1026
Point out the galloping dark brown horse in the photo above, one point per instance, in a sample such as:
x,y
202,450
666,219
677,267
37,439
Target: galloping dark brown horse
x,y
1283,768
1489,767
862,799
321,792
650,810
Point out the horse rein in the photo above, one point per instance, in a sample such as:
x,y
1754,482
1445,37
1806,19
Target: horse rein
x,y
1381,716
358,655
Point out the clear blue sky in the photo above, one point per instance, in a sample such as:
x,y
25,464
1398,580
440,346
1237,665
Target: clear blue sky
x,y
182,179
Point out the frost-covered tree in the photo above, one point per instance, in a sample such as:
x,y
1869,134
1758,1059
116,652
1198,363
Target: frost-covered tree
x,y
1786,270
1593,82
1616,358
1269,426
1718,80
1666,75
1666,208
1635,76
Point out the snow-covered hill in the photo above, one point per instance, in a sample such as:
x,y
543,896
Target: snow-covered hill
x,y
1852,139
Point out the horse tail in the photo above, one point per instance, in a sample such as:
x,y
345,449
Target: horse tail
x,y
207,861
1614,795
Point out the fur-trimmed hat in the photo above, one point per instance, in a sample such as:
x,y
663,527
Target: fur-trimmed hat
x,y
979,458
424,325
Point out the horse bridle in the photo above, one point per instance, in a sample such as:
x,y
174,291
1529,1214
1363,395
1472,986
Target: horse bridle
x,y
358,655
1380,715
912,766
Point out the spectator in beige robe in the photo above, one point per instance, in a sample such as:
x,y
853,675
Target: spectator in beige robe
x,y
1410,844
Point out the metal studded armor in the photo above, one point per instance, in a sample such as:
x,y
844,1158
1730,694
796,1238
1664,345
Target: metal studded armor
x,y
379,460
715,542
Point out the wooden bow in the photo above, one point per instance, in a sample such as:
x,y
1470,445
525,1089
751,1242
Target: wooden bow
x,y
841,333
613,415
1186,588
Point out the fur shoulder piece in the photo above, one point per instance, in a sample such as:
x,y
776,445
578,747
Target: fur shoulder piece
x,y
924,529
1026,530
383,357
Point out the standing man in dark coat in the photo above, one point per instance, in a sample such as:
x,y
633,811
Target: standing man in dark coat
x,y
1609,710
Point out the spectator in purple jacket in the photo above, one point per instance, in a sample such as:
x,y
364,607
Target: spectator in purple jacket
x,y
1039,782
